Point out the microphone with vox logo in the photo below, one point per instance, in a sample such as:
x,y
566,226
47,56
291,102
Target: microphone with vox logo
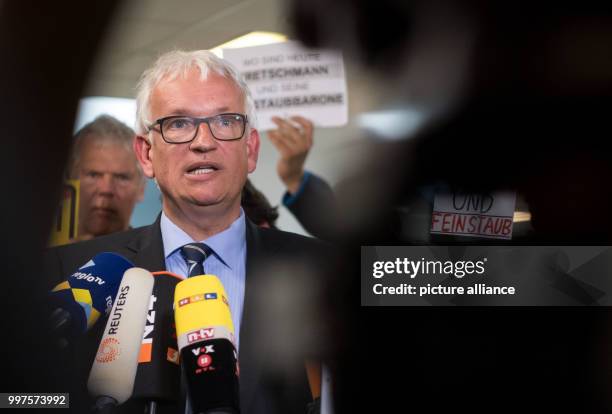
x,y
206,342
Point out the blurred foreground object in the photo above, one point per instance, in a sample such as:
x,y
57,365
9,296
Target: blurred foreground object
x,y
513,96
48,49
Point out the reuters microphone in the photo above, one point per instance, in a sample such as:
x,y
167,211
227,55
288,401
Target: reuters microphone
x,y
205,335
112,375
78,302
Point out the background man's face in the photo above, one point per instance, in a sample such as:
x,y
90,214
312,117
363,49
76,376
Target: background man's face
x,y
110,187
203,172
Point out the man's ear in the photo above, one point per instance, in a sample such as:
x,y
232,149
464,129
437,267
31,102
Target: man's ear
x,y
252,149
142,149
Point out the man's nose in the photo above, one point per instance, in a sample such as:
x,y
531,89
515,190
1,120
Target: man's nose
x,y
204,139
106,184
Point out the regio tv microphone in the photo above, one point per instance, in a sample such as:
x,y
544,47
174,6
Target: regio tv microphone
x,y
77,303
205,335
111,379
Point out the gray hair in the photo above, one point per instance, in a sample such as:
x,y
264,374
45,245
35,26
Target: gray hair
x,y
178,62
104,129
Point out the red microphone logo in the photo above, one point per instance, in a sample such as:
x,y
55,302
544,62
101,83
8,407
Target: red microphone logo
x,y
109,350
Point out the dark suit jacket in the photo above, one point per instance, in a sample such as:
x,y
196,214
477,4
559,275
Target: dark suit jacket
x,y
143,246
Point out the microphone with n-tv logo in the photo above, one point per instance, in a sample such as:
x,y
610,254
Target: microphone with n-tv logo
x,y
78,302
205,335
111,379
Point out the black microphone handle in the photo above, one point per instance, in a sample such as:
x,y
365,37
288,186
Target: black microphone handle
x,y
105,405
152,407
211,374
59,320
59,323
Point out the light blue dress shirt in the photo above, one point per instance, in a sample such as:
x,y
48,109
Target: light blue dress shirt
x,y
227,263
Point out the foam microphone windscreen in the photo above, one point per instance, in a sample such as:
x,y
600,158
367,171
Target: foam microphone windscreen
x,y
158,375
201,302
114,369
205,334
90,291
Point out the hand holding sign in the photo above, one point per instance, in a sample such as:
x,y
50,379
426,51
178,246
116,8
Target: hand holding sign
x,y
293,142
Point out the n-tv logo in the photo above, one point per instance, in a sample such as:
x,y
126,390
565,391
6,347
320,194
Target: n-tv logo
x,y
200,335
147,338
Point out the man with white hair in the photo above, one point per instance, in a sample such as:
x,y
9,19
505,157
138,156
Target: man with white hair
x,y
196,137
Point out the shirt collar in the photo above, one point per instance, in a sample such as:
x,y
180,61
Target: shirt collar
x,y
226,244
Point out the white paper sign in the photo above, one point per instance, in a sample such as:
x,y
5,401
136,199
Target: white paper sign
x,y
287,79
476,215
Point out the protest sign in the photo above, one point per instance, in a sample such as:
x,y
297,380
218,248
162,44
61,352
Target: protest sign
x,y
287,79
479,215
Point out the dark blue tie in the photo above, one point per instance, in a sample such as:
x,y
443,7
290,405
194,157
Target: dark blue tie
x,y
194,255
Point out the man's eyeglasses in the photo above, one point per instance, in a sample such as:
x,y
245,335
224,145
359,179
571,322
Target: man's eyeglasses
x,y
182,129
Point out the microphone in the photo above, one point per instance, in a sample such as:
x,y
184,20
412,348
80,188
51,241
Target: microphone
x,y
112,375
158,374
79,301
206,342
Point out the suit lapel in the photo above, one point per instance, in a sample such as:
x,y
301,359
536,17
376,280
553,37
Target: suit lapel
x,y
250,362
148,248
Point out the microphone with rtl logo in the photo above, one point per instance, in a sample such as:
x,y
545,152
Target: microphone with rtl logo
x,y
205,334
158,374
111,379
78,302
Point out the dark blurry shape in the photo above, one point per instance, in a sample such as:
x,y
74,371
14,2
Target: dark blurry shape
x,y
257,207
47,50
111,180
314,407
519,95
353,26
521,104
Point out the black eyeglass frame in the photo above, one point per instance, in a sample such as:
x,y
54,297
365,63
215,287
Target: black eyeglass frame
x,y
197,122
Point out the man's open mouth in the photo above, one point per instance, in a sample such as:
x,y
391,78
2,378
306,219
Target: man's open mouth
x,y
202,169
104,211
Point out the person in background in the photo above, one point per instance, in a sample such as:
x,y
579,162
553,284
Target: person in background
x,y
308,197
111,180
257,207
